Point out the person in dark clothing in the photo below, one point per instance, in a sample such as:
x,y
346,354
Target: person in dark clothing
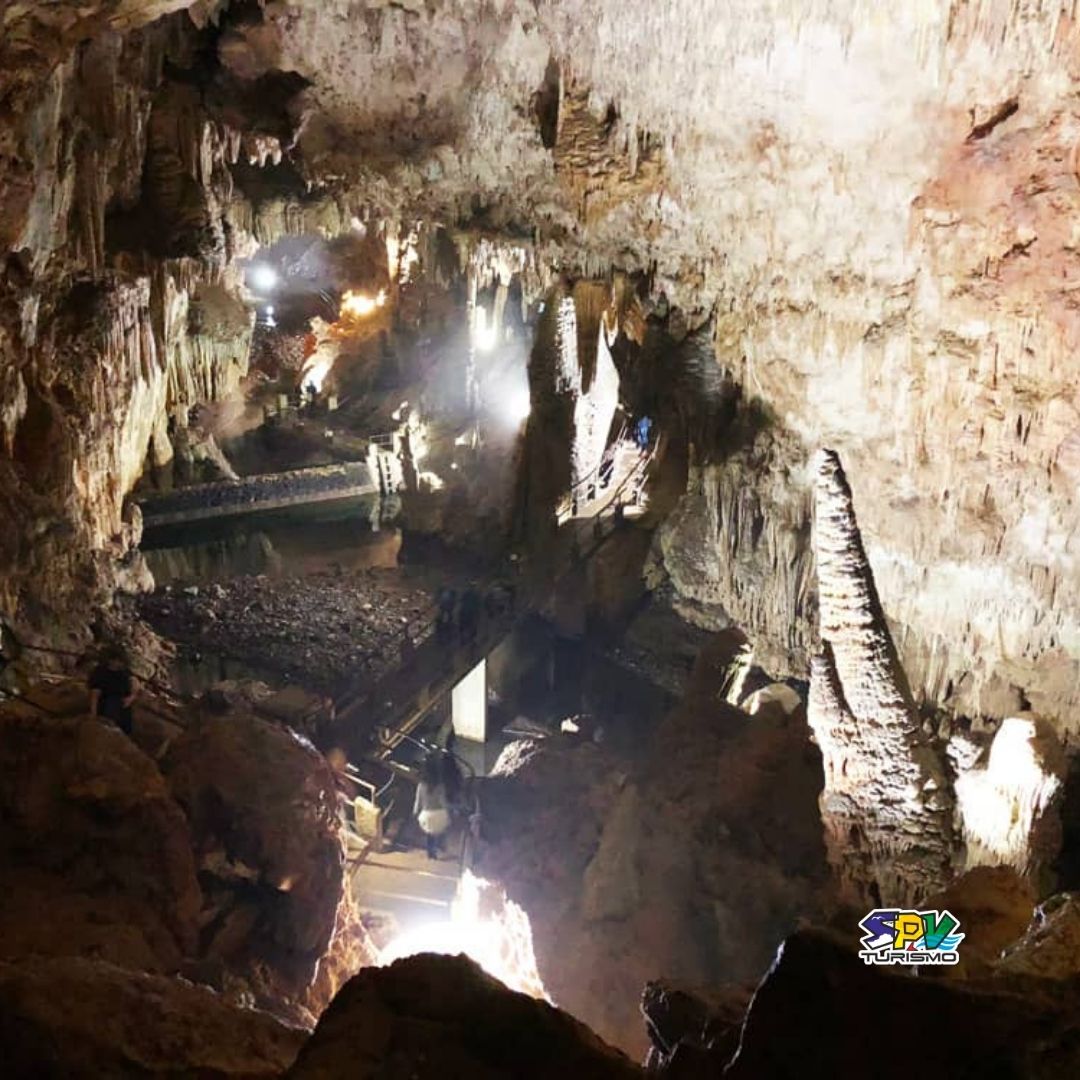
x,y
112,689
469,614
444,622
453,782
642,432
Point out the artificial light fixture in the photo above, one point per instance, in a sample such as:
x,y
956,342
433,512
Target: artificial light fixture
x,y
518,405
358,305
262,277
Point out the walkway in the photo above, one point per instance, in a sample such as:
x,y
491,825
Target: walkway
x,y
407,885
253,494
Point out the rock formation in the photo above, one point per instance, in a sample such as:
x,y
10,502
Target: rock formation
x,y
227,868
821,1013
79,1018
886,807
1010,808
97,855
262,807
433,1016
682,862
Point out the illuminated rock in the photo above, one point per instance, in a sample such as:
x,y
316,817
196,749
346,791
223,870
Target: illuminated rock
x,y
886,807
1010,808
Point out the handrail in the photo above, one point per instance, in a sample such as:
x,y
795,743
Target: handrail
x,y
603,457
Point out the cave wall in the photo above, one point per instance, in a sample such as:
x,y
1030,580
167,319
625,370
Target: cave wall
x,y
119,308
874,216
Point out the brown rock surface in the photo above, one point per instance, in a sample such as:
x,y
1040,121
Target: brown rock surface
x,y
820,1012
262,806
994,907
442,1018
1050,947
688,867
69,1019
97,854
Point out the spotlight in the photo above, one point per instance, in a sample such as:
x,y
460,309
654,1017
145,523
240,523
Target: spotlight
x,y
359,305
262,277
518,405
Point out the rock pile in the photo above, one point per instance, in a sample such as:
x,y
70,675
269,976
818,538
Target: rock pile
x,y
323,630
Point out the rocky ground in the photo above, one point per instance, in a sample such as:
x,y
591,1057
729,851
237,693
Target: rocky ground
x,y
321,630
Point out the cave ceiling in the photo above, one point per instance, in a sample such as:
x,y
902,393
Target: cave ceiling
x,y
874,209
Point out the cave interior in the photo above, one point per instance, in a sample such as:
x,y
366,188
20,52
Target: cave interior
x,y
537,539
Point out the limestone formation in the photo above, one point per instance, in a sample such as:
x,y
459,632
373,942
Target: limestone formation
x,y
1010,808
820,1013
1051,944
680,864
886,807
97,856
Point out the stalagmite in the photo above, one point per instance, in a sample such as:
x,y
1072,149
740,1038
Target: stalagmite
x,y
884,806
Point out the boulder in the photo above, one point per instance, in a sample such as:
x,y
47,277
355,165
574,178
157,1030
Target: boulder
x,y
442,1017
72,1018
694,1032
993,904
821,1012
1050,947
262,805
96,853
777,696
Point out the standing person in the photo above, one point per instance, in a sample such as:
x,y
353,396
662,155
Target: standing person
x,y
113,689
469,614
642,432
430,806
444,623
453,783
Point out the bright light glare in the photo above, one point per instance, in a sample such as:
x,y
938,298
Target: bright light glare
x,y
262,277
315,370
358,305
485,334
518,405
485,926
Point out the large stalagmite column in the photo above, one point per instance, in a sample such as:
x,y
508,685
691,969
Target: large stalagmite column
x,y
885,806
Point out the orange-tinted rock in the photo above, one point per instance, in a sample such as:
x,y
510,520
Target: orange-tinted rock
x,y
994,906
